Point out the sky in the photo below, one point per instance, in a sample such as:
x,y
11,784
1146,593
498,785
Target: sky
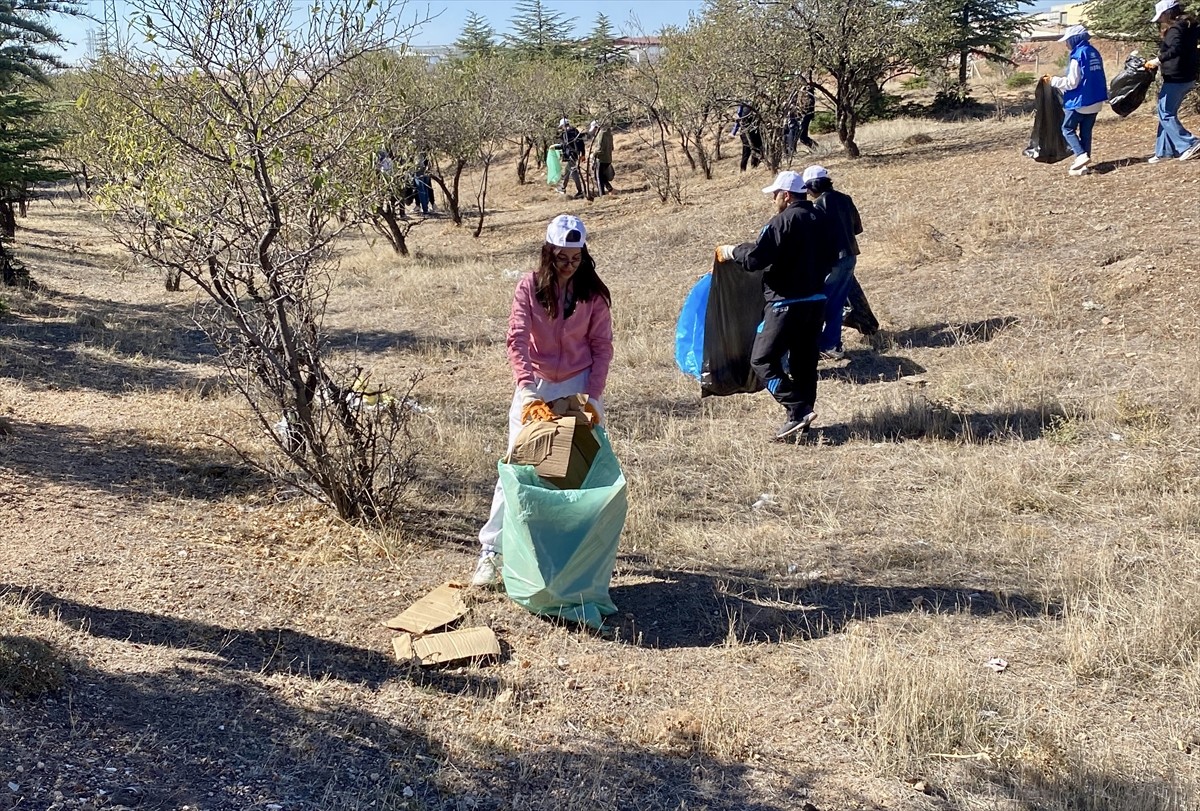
x,y
630,17
448,17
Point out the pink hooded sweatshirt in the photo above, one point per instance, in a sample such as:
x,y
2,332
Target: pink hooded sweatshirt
x,y
557,349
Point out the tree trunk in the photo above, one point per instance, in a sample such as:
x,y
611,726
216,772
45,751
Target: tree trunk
x,y
702,153
8,220
392,230
684,138
847,123
451,191
717,143
483,186
523,163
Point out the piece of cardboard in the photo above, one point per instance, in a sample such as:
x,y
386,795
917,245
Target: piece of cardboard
x,y
439,607
451,646
584,447
546,446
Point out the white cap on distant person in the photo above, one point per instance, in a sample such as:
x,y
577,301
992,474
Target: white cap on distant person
x,y
1073,31
1162,7
566,231
814,173
564,123
595,125
786,181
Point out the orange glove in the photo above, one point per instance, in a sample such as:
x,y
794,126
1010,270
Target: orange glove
x,y
536,411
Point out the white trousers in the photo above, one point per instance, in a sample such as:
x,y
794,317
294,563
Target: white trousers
x,y
489,536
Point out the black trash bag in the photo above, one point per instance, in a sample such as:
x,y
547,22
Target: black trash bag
x,y
1046,142
735,309
1128,88
857,312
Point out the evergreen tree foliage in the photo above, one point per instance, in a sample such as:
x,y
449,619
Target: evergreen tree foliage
x,y
962,29
478,38
1122,19
536,30
601,48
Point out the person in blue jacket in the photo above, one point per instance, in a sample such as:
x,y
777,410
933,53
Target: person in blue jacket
x,y
1084,92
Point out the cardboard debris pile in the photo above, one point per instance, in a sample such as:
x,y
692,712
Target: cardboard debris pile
x,y
438,609
562,451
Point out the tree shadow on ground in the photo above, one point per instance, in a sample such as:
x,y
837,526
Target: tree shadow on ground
x,y
373,342
868,367
674,609
125,463
937,150
1078,785
947,334
217,721
75,342
921,418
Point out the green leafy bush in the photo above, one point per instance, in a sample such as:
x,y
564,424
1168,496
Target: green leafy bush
x,y
1019,80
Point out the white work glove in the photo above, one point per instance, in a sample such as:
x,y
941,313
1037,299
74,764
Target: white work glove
x,y
725,253
593,407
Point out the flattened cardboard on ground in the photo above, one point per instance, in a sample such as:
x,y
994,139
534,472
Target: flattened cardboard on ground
x,y
435,649
439,607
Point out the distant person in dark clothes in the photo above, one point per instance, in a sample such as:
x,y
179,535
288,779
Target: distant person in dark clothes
x,y
795,251
808,108
1084,94
1179,62
602,156
424,185
745,126
846,225
570,146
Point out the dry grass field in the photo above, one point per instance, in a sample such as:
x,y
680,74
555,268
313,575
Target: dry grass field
x,y
1008,471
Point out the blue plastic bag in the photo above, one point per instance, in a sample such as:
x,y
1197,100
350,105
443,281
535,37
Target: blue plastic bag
x,y
560,546
689,330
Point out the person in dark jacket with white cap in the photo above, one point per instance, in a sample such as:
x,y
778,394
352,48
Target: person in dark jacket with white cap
x,y
1084,94
846,225
795,251
570,146
1179,62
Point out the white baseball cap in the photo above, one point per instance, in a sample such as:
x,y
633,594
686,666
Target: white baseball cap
x,y
814,172
564,123
566,231
1077,31
1162,7
786,181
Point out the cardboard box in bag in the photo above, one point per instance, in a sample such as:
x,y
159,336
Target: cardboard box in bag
x,y
562,451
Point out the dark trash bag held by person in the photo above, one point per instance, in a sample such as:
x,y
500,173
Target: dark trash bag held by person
x,y
1046,142
1129,87
719,320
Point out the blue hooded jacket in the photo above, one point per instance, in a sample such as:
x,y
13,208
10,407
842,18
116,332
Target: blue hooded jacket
x,y
1092,87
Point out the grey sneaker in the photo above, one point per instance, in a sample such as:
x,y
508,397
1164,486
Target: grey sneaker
x,y
1192,152
837,353
793,428
487,571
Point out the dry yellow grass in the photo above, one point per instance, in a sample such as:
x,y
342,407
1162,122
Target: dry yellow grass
x,y
1008,471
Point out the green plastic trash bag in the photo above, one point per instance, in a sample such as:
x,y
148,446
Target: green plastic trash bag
x,y
560,546
554,167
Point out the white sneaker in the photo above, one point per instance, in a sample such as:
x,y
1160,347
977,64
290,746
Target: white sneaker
x,y
1080,172
487,571
1192,152
1154,159
1081,161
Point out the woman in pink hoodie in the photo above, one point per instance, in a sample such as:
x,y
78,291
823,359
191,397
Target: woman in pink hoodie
x,y
559,344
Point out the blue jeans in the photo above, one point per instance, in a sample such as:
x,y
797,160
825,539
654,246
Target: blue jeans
x,y
1077,129
1173,139
837,287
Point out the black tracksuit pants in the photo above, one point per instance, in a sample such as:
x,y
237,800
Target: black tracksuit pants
x,y
790,331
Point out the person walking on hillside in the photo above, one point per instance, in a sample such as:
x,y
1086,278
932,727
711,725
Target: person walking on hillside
x,y
1179,62
795,251
745,126
1084,94
846,225
808,108
560,343
570,146
602,155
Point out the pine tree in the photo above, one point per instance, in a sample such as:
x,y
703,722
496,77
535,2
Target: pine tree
x,y
537,30
478,38
25,131
1124,19
985,29
601,48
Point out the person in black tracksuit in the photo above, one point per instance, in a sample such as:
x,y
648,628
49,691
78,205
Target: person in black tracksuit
x,y
570,146
795,251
